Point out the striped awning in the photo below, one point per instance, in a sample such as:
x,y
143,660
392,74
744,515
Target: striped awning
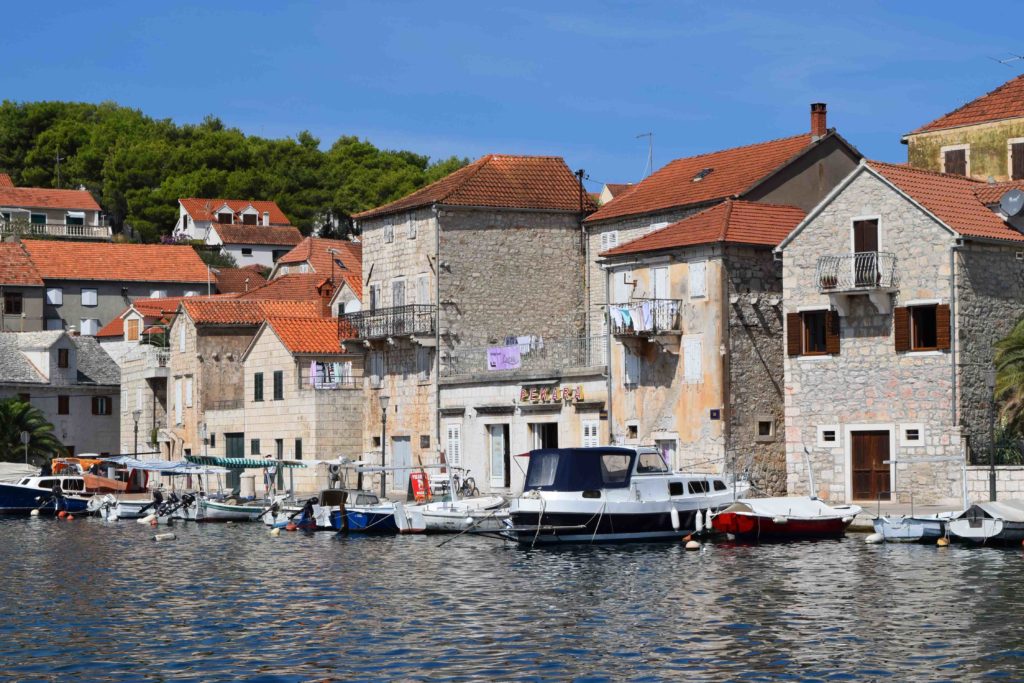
x,y
242,463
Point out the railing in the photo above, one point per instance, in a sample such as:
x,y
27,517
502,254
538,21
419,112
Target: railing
x,y
333,384
643,317
864,270
397,321
19,227
545,355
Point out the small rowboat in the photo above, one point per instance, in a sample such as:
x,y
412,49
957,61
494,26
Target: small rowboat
x,y
784,519
993,522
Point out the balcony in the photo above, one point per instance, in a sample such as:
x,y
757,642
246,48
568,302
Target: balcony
x,y
385,323
870,272
64,230
157,363
645,318
545,357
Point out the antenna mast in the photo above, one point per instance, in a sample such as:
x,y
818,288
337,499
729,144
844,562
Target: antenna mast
x,y
59,159
649,168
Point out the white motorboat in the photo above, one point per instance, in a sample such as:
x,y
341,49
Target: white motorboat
x,y
913,528
609,493
483,512
319,513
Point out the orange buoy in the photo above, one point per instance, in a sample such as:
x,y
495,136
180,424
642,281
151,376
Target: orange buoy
x,y
687,537
69,517
292,526
153,522
61,514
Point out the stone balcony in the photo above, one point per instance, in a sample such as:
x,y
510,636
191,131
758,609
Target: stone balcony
x,y
414,320
59,230
645,318
157,363
871,273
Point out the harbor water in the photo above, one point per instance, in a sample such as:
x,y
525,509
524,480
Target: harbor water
x,y
93,601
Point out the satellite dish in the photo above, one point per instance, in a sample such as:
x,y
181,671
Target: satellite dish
x,y
1012,202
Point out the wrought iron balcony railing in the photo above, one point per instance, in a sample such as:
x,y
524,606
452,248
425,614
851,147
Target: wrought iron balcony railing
x,y
645,317
541,355
397,321
864,271
70,230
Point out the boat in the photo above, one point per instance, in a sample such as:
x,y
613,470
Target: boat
x,y
784,518
45,492
461,514
990,522
913,528
319,513
612,494
232,508
229,510
385,517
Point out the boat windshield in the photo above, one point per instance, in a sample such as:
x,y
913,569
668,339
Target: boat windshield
x,y
579,469
651,463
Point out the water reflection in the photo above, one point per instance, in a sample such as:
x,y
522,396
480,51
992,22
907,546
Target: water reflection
x,y
89,600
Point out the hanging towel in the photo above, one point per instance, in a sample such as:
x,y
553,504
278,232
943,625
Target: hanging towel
x,y
647,315
313,379
525,343
616,316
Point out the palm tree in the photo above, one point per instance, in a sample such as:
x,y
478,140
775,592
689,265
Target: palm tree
x,y
17,417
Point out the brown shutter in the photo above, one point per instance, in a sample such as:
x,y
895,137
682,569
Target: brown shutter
x,y
794,334
832,332
942,327
956,162
901,328
1017,160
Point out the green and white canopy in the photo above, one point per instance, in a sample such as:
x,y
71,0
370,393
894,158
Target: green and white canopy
x,y
242,463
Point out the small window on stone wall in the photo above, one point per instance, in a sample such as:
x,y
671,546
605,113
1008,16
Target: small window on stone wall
x,y
632,431
376,442
828,436
765,429
424,441
911,435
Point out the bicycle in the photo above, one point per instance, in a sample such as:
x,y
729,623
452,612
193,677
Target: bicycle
x,y
465,487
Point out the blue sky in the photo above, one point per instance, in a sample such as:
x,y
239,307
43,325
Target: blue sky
x,y
579,80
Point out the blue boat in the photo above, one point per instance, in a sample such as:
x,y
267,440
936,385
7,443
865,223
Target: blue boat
x,y
37,493
371,519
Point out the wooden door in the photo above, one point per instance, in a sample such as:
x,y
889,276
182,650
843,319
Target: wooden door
x,y
865,248
870,474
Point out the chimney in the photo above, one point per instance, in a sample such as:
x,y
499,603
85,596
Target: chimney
x,y
819,120
266,218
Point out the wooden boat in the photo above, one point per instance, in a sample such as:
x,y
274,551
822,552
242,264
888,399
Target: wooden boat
x,y
784,518
995,522
611,494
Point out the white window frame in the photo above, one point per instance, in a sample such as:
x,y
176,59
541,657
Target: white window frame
x,y
609,240
158,294
55,296
591,433
88,326
912,443
823,443
691,376
867,217
453,444
698,286
90,294
191,292
952,148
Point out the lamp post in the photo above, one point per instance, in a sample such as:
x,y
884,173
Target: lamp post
x,y
384,400
990,383
136,414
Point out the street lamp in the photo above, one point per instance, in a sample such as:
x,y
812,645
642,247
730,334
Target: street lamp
x,y
990,383
136,414
384,399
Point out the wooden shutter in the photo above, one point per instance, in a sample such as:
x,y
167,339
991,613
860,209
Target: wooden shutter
x,y
1017,160
794,334
942,327
832,332
956,161
901,328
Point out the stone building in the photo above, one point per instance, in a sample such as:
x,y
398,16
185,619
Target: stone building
x,y
71,380
895,288
695,364
983,139
472,319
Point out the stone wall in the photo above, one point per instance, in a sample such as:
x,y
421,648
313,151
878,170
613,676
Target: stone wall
x,y
754,364
139,393
1009,483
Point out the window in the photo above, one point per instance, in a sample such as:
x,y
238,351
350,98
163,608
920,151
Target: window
x,y
374,297
1016,159
177,402
453,445
257,386
249,219
298,449
693,366
37,219
631,364
63,358
812,333
424,361
911,435
191,292
698,279
424,441
89,297
157,293
923,327
422,289
278,385
649,463
609,240
398,292
955,159
389,233
225,217
412,228
591,431
304,268
100,405
54,324
632,431
188,392
376,370
376,442
828,436
131,329
254,447
25,398
213,439
63,405
615,468
246,251
74,218
765,429
54,296
89,326
181,338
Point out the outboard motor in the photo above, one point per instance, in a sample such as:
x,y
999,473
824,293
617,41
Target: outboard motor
x,y
58,497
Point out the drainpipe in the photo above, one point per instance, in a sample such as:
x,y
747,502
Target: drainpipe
x,y
958,243
437,331
608,351
725,359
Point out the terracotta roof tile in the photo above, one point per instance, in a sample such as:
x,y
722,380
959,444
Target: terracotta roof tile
x,y
46,198
307,335
313,250
732,171
273,235
953,199
16,268
500,181
116,262
294,287
734,221
238,280
246,312
154,311
1005,102
991,193
615,189
202,209
5,180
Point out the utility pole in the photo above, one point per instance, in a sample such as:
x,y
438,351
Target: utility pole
x,y
59,159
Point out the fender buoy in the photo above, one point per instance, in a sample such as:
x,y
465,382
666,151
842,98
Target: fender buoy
x,y
61,514
675,518
291,526
69,517
692,545
874,538
275,532
942,542
34,513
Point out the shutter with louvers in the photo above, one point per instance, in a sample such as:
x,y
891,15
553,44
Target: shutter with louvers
x,y
794,334
943,330
832,332
1017,160
956,161
454,442
901,328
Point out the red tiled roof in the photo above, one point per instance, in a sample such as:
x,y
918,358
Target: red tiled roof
x,y
5,180
733,171
272,235
116,262
735,221
951,198
313,250
991,193
615,189
203,209
307,335
16,268
46,198
246,312
294,287
1005,102
233,280
500,181
160,310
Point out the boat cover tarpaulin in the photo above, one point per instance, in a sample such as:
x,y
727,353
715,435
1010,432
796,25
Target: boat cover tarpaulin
x,y
793,507
148,465
13,471
103,484
242,463
1008,510
184,468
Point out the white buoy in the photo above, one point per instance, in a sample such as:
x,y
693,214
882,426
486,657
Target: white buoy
x,y
164,537
228,523
692,545
698,521
34,513
275,532
874,538
847,519
942,542
146,520
780,520
675,518
707,519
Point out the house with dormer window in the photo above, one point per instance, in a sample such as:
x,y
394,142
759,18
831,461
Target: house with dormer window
x,y
252,232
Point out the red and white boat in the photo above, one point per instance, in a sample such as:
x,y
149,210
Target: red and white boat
x,y
784,518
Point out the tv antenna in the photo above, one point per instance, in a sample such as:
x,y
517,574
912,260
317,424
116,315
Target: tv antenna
x,y
1006,60
649,167
59,159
